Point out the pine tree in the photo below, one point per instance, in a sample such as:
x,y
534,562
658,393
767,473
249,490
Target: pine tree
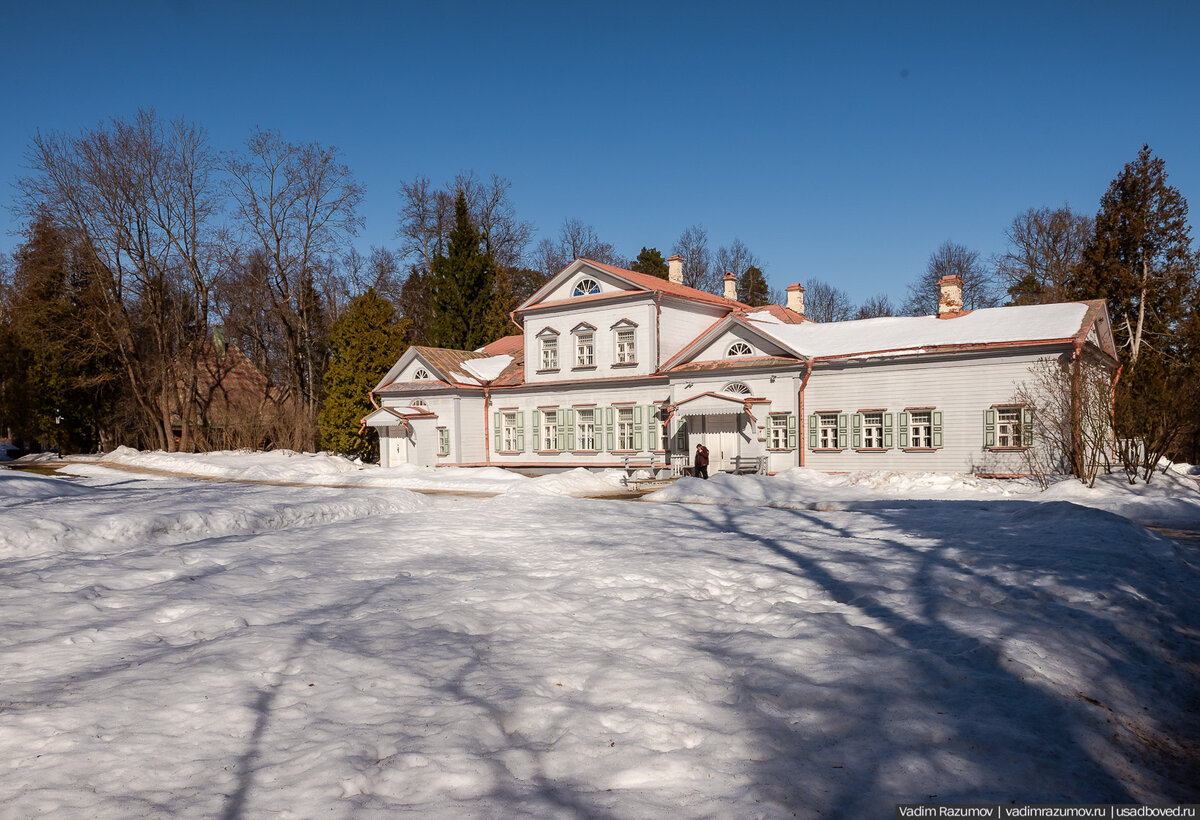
x,y
461,282
752,288
363,344
650,261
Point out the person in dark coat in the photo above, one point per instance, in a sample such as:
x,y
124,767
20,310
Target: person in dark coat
x,y
701,461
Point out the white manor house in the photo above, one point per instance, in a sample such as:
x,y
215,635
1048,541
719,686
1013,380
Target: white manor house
x,y
623,369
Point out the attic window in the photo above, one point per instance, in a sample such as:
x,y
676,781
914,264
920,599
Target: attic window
x,y
736,389
586,287
739,349
417,403
421,375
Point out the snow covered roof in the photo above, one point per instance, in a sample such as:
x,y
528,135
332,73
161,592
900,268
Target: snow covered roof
x,y
914,334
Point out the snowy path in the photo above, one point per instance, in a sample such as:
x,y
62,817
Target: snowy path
x,y
175,648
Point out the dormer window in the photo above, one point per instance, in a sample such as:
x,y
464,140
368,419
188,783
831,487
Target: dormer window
x,y
586,287
421,375
739,349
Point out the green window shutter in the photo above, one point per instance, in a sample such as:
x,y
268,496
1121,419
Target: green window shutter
x,y
936,423
887,430
444,441
560,419
681,437
637,427
1026,426
855,431
536,415
651,428
496,427
570,417
812,432
520,431
989,428
842,422
791,427
608,428
903,430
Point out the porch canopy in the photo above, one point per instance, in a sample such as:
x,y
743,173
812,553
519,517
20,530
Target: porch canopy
x,y
713,404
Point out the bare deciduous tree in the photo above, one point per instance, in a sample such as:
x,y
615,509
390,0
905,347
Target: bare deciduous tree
x,y
876,307
1044,247
140,195
297,206
575,240
825,303
952,259
698,270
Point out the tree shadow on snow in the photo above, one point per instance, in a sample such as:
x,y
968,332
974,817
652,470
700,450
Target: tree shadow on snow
x,y
923,699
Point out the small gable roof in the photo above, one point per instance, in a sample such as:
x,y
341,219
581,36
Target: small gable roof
x,y
638,281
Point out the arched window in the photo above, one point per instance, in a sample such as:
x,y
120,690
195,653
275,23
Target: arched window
x,y
739,349
421,375
586,287
417,403
736,389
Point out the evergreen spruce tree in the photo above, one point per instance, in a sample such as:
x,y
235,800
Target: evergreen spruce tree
x,y
1140,260
650,261
461,285
363,344
752,288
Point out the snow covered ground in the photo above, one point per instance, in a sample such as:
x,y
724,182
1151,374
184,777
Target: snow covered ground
x,y
803,645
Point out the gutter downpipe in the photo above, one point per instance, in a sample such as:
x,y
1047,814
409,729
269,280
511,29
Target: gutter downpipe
x,y
487,405
1076,402
657,330
801,429
1112,410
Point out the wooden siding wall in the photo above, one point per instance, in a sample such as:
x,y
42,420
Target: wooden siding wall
x,y
961,386
565,319
682,323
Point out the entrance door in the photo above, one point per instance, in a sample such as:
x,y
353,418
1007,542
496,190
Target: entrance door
x,y
397,447
721,438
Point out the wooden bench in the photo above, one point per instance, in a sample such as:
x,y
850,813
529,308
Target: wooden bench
x,y
749,465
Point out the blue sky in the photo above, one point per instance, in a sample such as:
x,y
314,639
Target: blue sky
x,y
842,141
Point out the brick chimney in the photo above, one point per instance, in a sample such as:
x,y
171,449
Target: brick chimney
x,y
795,297
950,303
675,269
730,286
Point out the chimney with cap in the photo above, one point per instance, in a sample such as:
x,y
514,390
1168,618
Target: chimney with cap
x,y
675,269
950,303
730,286
795,297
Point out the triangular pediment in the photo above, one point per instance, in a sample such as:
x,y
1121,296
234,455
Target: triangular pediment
x,y
732,340
571,282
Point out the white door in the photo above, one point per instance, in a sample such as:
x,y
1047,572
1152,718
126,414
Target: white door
x,y
722,441
397,447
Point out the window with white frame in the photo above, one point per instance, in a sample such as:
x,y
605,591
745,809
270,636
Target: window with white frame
x,y
872,431
827,431
585,348
585,426
417,403
549,353
549,430
739,349
736,389
626,346
421,374
510,432
1008,426
625,428
443,441
586,287
920,429
777,427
